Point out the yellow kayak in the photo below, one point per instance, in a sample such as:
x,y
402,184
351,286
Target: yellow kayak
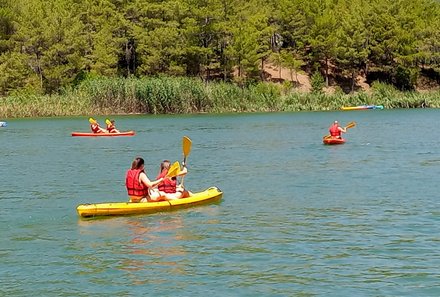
x,y
362,107
212,194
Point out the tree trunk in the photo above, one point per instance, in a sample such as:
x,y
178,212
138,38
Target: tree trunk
x,y
208,73
352,80
326,72
40,73
127,57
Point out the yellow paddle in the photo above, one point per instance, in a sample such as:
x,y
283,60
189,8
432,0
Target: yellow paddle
x,y
92,121
107,121
173,170
186,147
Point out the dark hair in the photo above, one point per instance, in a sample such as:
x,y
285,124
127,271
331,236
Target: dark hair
x,y
164,165
137,163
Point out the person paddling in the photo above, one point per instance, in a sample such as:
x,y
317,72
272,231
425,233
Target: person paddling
x,y
336,130
95,127
138,184
111,128
169,188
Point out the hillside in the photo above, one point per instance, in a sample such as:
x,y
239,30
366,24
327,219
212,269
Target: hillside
x,y
426,82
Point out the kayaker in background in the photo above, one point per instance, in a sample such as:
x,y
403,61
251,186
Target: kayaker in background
x,y
111,128
169,188
336,130
96,128
138,183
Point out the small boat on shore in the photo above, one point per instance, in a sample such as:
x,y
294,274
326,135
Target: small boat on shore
x,y
212,194
91,134
363,107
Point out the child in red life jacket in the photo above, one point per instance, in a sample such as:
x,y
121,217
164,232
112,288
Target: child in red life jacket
x,y
169,187
111,128
95,127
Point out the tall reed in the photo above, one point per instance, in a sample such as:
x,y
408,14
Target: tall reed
x,y
163,95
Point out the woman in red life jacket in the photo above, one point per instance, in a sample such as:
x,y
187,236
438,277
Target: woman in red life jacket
x,y
94,125
111,128
336,130
138,183
169,188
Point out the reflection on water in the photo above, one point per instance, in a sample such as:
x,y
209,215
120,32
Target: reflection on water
x,y
147,245
164,247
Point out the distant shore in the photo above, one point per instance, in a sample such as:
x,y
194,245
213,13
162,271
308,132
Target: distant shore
x,y
180,95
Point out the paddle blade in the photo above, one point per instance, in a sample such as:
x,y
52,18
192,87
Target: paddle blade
x,y
92,121
107,121
174,169
350,125
186,145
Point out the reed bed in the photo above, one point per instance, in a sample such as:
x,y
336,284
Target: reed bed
x,y
28,105
180,95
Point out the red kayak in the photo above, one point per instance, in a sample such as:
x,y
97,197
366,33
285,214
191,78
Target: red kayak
x,y
127,133
329,140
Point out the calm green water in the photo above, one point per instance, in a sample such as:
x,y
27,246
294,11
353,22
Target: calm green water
x,y
298,218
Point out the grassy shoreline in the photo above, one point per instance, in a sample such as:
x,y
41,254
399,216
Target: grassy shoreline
x,y
182,95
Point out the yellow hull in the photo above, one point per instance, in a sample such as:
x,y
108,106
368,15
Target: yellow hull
x,y
362,107
212,194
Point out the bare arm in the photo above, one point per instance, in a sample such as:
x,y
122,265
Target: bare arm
x,y
182,172
146,181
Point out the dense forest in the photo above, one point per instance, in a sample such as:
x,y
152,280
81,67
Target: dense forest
x,y
49,45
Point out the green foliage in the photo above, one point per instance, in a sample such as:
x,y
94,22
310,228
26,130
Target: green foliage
x,y
289,61
7,28
405,78
317,82
266,95
277,60
249,42
383,93
352,52
104,96
291,19
49,46
322,37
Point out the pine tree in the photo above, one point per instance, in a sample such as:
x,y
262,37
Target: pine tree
x,y
352,50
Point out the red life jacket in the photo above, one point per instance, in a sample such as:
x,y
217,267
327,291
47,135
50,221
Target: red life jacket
x,y
134,187
169,184
111,128
334,130
95,128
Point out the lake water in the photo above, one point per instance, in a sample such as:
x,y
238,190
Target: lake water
x,y
297,218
